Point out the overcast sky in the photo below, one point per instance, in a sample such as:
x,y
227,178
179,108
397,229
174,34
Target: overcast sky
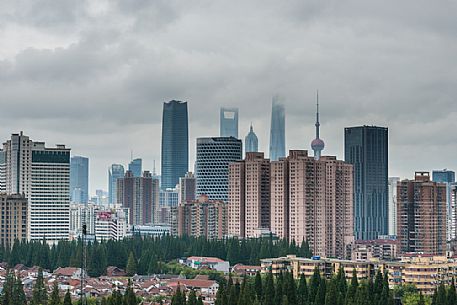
x,y
93,74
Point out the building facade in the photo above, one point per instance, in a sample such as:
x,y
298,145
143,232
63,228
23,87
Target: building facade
x,y
42,174
421,210
2,172
212,165
366,147
115,172
277,130
392,219
251,142
14,219
447,177
140,195
175,143
251,178
202,218
229,122
187,188
136,167
79,179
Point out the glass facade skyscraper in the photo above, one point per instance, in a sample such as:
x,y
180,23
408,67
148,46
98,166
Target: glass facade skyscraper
x,y
277,130
366,147
212,165
79,179
175,143
251,141
229,122
136,167
115,172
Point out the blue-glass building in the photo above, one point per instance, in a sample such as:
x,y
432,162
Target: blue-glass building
x,y
251,142
277,130
443,176
366,147
211,168
229,122
115,172
79,179
136,167
175,143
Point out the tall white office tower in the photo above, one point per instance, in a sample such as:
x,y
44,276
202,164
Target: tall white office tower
x,y
277,130
42,174
392,208
229,122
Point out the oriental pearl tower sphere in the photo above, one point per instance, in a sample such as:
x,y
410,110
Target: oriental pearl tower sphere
x,y
317,144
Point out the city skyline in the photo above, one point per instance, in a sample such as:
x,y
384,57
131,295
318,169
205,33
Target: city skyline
x,y
102,73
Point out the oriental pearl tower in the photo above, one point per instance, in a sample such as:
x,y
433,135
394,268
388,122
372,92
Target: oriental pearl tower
x,y
317,144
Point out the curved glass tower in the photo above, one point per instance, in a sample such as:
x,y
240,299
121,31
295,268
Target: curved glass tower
x,y
277,131
175,143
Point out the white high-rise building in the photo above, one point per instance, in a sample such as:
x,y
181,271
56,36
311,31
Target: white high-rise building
x,y
43,175
452,218
392,208
2,172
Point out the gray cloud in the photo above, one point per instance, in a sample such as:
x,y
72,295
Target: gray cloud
x,y
94,74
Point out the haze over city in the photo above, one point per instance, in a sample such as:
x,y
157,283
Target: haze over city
x,y
94,75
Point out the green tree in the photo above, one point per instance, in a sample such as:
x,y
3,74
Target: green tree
x,y
131,265
451,295
192,299
352,289
441,295
18,293
54,298
7,292
67,298
321,292
269,291
258,286
39,294
302,292
129,296
332,296
314,284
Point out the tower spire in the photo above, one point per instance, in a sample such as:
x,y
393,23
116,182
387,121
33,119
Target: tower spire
x,y
317,144
317,115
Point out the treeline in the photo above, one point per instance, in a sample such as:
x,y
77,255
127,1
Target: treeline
x,y
148,253
283,289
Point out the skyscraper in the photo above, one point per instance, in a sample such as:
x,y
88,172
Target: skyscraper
x,y
229,122
2,172
447,177
136,167
14,219
278,130
366,147
140,195
421,209
249,195
175,143
212,165
115,172
42,174
393,183
251,141
79,179
317,144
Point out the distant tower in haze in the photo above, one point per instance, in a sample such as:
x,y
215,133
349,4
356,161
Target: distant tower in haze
x,y
251,141
277,130
229,122
317,144
136,167
175,143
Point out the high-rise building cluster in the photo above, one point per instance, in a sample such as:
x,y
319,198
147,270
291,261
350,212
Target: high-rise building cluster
x,y
334,206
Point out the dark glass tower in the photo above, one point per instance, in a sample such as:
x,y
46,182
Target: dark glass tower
x,y
136,167
366,147
175,143
79,179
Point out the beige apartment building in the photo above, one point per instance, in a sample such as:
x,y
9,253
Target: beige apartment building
x,y
14,223
249,195
425,272
298,198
